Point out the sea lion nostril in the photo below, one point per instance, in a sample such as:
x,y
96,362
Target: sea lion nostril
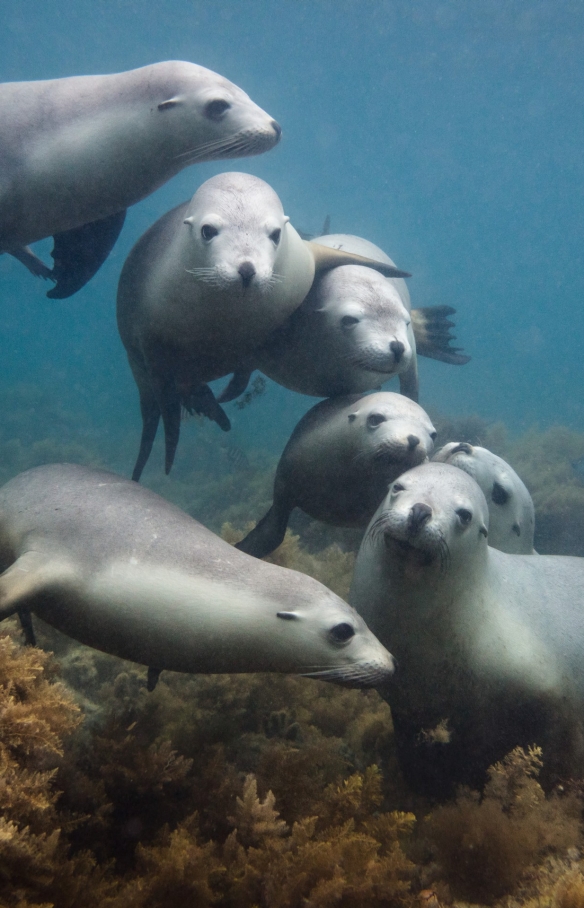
x,y
397,348
419,514
413,442
246,271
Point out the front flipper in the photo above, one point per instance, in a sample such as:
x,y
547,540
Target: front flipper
x,y
326,258
26,624
268,534
432,332
80,252
29,576
35,265
237,385
408,381
152,678
203,401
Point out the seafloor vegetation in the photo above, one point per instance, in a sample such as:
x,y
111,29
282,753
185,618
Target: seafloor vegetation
x,y
266,791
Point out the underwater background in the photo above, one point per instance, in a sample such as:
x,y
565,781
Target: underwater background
x,y
451,135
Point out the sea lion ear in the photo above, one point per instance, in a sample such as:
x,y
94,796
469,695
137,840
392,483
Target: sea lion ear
x,y
352,417
172,102
483,531
287,616
286,219
189,221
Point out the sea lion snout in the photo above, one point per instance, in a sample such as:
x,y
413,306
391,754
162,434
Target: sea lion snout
x,y
420,514
398,349
247,272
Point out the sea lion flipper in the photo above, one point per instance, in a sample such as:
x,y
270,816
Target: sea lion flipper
x,y
408,381
237,385
80,252
23,580
150,419
268,534
26,624
432,332
35,265
152,678
326,258
203,401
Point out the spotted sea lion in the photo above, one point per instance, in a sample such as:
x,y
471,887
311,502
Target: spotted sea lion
x,y
340,460
203,288
354,331
490,646
511,511
115,566
76,152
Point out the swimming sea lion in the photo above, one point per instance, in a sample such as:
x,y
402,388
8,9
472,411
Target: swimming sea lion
x,y
115,566
511,511
76,152
205,286
354,331
340,460
490,646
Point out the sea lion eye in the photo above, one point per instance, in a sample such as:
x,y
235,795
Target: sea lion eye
x,y
499,494
208,231
342,633
375,419
348,321
214,110
275,236
465,516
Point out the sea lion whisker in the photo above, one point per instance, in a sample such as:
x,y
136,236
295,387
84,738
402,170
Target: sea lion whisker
x,y
376,529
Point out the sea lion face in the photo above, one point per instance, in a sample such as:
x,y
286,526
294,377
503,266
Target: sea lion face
x,y
433,515
334,644
237,232
390,432
368,325
512,517
196,102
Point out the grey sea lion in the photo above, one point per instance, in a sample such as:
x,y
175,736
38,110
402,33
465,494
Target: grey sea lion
x,y
76,152
490,646
205,286
340,460
354,331
511,511
115,566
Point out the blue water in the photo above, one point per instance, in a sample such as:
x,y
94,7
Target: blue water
x,y
449,133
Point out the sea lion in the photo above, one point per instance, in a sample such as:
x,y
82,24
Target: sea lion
x,y
205,286
354,331
76,152
511,511
490,646
117,567
340,460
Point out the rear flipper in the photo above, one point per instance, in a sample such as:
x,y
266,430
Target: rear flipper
x,y
268,534
237,385
150,419
31,261
433,337
80,253
31,575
